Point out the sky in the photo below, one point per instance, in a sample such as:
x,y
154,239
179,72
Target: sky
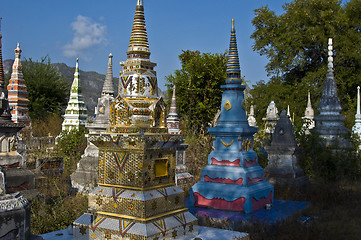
x,y
91,29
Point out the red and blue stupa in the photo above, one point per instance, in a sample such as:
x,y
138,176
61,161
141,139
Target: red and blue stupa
x,y
233,179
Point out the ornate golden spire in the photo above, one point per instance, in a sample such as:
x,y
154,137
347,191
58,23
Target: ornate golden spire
x,y
233,70
138,44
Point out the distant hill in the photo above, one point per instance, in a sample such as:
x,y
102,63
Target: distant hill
x,y
91,82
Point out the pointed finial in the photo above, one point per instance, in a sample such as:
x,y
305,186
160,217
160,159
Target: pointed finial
x,y
251,111
330,55
173,106
288,111
138,44
76,67
76,73
233,30
17,49
233,70
108,82
309,100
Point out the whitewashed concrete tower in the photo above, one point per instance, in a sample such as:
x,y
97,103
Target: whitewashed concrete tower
x,y
271,118
357,127
251,117
76,112
330,123
309,116
173,119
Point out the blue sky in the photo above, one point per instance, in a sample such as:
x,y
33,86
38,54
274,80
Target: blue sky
x,y
55,27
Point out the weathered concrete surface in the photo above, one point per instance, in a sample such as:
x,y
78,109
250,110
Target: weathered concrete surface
x,y
14,217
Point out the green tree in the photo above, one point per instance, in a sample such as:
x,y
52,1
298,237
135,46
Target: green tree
x,y
70,146
295,43
47,88
198,88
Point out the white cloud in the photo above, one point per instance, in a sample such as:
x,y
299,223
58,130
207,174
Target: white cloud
x,y
87,34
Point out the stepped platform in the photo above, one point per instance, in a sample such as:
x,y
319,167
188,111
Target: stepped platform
x,y
204,233
280,210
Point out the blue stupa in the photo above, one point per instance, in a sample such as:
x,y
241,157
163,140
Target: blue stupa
x,y
233,179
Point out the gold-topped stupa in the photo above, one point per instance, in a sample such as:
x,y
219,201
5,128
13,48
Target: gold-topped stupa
x,y
136,197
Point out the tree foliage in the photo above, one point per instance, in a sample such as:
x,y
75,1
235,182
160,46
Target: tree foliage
x,y
70,146
47,88
295,43
198,88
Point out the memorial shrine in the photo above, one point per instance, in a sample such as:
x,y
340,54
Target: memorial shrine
x,y
233,179
136,197
183,178
330,123
85,177
76,112
283,167
271,118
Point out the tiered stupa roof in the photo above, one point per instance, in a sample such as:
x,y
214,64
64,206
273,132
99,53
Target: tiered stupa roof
x,y
108,82
137,78
17,92
173,119
309,115
76,112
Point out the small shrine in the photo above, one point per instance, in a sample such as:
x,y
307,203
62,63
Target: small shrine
x,y
136,197
308,119
233,179
85,177
251,117
17,92
283,167
18,178
14,208
271,118
76,112
330,123
356,129
14,213
183,178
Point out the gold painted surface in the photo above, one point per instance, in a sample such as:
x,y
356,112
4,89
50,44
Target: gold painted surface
x,y
227,144
161,168
247,144
136,188
129,204
144,219
227,105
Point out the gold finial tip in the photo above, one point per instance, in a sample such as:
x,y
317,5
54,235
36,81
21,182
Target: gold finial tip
x,y
233,25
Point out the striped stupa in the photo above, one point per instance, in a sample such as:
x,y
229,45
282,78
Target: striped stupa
x,y
76,112
233,69
17,92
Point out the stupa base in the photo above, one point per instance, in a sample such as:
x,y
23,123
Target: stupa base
x,y
173,226
231,196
